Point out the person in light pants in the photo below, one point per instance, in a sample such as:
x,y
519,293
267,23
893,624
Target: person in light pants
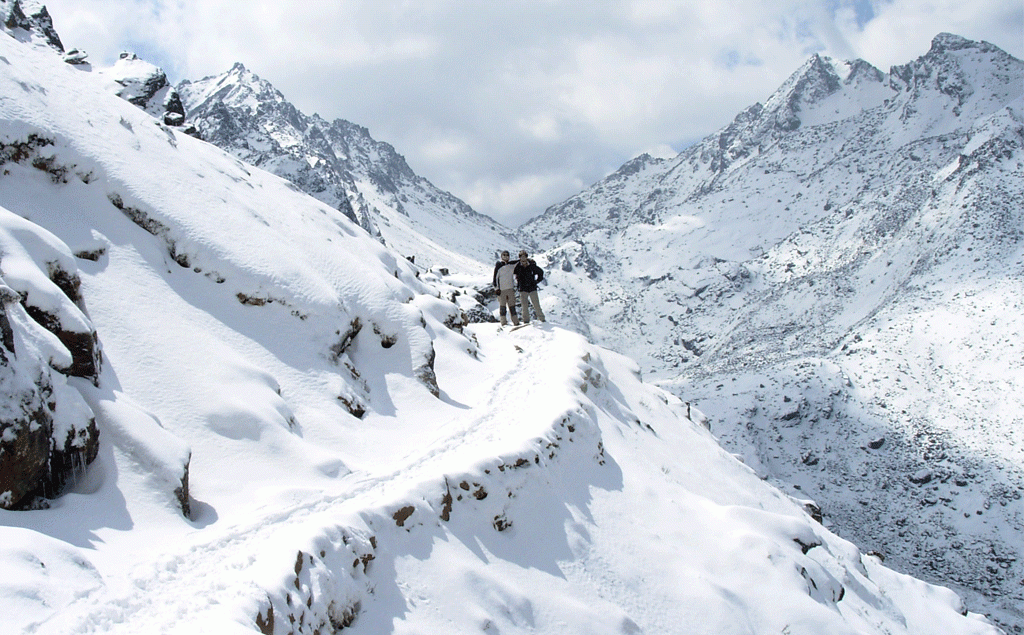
x,y
528,274
504,282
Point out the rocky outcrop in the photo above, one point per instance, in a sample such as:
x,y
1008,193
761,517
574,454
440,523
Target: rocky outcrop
x,y
29,20
146,86
48,433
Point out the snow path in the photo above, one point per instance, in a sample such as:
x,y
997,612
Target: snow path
x,y
180,583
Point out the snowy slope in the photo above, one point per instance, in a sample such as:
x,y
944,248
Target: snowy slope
x,y
840,267
341,164
347,454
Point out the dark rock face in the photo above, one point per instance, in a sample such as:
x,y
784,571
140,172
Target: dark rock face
x,y
24,440
146,86
83,345
68,461
37,25
34,460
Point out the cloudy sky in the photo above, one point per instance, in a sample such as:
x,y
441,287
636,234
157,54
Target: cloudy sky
x,y
514,105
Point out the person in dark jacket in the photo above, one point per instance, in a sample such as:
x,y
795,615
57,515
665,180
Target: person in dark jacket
x,y
504,282
528,274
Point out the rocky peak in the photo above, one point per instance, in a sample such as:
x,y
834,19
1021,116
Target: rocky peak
x,y
377,160
337,162
799,100
815,80
634,166
27,19
944,42
247,116
818,80
957,69
255,107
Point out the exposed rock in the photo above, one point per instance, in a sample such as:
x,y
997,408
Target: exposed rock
x,y
502,523
36,24
76,57
182,493
812,508
921,477
48,434
25,432
425,373
68,461
145,85
403,514
479,313
345,339
82,344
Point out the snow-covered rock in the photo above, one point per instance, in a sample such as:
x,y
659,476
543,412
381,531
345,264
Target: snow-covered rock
x,y
48,434
28,20
145,85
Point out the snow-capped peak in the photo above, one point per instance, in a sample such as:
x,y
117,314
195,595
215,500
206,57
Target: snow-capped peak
x,y
341,164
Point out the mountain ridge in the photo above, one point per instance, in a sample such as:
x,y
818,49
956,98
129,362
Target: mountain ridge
x,y
768,254
339,163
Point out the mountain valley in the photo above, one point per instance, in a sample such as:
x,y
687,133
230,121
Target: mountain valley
x,y
262,351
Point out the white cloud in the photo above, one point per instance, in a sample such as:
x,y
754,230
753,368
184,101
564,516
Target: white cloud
x,y
902,31
661,151
523,194
513,106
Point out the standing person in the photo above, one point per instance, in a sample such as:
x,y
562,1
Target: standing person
x,y
504,282
528,274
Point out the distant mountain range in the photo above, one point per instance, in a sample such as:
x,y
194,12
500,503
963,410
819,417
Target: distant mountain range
x,y
339,163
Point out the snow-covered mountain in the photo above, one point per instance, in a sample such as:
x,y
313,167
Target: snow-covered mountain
x,y
341,164
836,278
299,434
